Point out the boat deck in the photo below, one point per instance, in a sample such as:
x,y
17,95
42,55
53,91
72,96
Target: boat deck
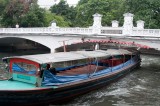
x,y
82,70
15,85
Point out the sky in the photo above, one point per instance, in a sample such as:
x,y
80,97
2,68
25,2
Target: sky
x,y
48,3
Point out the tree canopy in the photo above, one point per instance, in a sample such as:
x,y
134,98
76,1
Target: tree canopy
x,y
3,4
16,12
147,10
64,10
34,17
110,9
49,17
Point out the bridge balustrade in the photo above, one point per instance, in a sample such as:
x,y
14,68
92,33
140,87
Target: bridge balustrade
x,y
146,32
111,31
118,31
47,30
25,30
73,30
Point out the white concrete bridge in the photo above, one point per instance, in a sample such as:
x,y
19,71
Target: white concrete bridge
x,y
54,36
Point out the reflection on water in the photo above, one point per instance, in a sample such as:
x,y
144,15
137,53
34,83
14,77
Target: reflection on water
x,y
140,87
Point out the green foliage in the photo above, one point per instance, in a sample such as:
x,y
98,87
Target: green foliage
x,y
26,14
81,2
60,9
13,12
49,17
35,17
3,4
146,10
63,9
108,8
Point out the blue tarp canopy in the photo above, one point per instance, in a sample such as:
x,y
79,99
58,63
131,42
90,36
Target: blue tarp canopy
x,y
51,79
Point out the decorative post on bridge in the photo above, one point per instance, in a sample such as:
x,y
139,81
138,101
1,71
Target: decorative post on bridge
x,y
53,25
128,24
17,25
115,23
97,23
140,24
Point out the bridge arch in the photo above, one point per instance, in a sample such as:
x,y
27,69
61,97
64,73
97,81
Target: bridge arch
x,y
14,44
49,41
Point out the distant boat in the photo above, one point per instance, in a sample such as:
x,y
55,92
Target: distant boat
x,y
57,77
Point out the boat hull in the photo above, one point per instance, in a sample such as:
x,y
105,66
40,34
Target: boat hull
x,y
45,96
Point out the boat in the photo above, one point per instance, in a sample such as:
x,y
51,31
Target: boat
x,y
52,78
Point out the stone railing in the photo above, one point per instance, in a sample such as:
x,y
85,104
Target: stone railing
x,y
146,32
47,30
112,31
26,30
73,30
58,30
115,31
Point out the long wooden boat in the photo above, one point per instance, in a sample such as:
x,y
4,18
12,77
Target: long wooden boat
x,y
57,77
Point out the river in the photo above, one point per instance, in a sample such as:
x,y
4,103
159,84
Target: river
x,y
139,88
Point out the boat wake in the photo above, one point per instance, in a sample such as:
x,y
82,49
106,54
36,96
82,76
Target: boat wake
x,y
138,88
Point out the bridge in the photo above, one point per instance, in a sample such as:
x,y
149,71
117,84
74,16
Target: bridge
x,y
54,37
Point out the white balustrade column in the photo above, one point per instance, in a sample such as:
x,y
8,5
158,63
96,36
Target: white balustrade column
x,y
97,23
140,24
53,25
128,24
115,23
17,26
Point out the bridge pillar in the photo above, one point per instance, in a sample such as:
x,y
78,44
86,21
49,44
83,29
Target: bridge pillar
x,y
128,24
52,50
97,23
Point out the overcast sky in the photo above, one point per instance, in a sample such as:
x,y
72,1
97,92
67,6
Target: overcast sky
x,y
48,3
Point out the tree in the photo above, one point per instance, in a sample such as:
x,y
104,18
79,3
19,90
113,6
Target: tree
x,y
63,9
147,10
49,17
110,9
26,13
3,4
82,2
35,17
13,12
